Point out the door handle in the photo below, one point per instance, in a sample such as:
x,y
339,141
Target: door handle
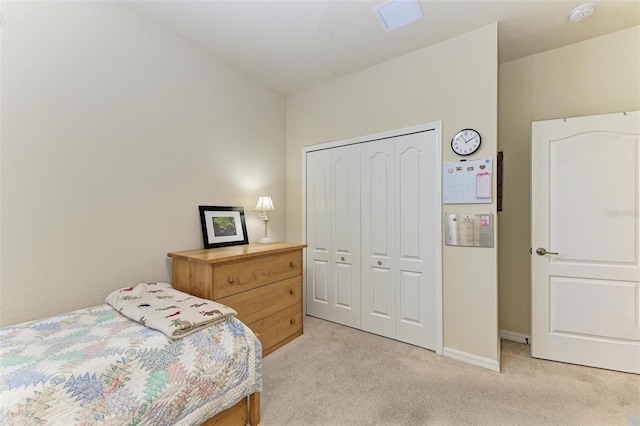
x,y
541,252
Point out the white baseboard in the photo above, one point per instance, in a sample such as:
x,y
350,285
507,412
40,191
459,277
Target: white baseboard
x,y
478,361
516,337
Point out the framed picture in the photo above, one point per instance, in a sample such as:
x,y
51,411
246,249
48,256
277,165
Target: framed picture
x,y
223,226
499,174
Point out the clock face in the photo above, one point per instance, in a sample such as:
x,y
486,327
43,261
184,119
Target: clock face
x,y
466,142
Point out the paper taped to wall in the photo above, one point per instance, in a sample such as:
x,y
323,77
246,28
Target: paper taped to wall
x,y
483,185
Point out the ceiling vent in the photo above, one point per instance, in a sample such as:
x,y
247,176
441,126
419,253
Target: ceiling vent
x,y
397,13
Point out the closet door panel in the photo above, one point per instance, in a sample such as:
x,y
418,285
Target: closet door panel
x,y
378,236
380,196
415,186
382,291
409,296
319,208
343,295
408,188
320,279
346,235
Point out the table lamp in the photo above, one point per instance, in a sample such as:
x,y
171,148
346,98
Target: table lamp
x,y
265,205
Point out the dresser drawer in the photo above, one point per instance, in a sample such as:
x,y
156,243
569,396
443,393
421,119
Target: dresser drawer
x,y
274,329
253,305
242,275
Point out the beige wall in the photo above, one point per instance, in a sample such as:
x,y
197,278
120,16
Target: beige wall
x,y
597,76
454,81
114,130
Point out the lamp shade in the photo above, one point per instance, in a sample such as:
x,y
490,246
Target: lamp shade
x,y
265,205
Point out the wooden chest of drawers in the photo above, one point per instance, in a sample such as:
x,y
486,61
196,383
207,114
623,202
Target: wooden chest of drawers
x,y
262,282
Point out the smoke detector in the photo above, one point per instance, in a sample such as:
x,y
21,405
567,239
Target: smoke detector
x,y
397,13
581,12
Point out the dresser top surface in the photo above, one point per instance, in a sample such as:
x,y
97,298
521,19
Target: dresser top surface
x,y
225,254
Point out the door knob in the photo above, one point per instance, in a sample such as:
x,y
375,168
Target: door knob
x,y
541,252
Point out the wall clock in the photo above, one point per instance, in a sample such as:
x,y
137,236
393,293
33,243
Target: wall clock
x,y
466,142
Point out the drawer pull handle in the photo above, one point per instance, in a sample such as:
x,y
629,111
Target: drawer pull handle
x,y
342,258
291,264
292,292
379,262
231,279
292,320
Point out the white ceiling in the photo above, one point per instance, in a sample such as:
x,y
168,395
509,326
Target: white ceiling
x,y
292,45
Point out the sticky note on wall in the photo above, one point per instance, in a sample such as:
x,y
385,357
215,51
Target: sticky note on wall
x,y
483,185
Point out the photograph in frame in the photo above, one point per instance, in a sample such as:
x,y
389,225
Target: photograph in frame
x,y
223,226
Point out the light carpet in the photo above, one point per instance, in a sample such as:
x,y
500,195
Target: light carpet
x,y
336,375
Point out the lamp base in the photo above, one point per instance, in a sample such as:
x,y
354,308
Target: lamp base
x,y
265,240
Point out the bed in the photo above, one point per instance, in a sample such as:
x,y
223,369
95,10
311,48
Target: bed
x,y
95,366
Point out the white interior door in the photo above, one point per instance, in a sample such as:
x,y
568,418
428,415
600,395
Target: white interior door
x,y
584,207
333,235
379,237
319,208
400,228
345,306
417,217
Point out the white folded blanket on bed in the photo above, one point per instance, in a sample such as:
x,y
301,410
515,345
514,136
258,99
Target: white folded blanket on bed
x,y
161,307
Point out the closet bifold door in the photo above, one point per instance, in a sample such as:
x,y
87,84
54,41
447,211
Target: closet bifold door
x,y
319,208
399,222
378,237
333,235
373,215
345,307
415,230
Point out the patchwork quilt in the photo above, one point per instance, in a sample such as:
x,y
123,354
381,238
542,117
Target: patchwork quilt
x,y
95,366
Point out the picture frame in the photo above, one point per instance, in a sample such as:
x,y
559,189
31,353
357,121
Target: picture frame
x,y
499,174
223,226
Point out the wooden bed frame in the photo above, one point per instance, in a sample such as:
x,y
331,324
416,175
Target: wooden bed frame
x,y
237,415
